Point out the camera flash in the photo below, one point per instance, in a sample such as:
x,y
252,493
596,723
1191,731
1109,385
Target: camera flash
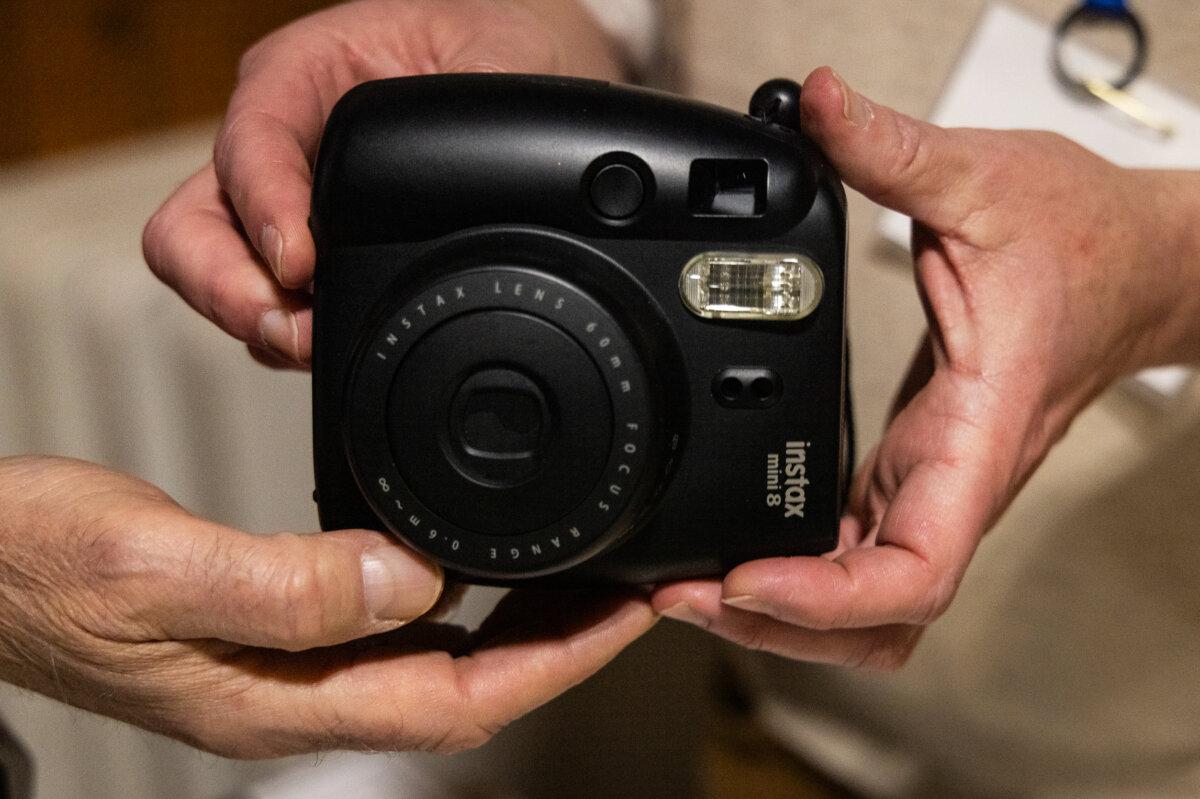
x,y
739,285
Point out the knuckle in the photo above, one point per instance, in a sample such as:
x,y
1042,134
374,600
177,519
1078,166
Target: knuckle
x,y
109,542
937,600
912,150
468,720
112,557
459,739
453,732
107,598
475,737
154,237
300,586
298,599
113,550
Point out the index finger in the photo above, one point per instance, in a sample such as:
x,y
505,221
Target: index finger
x,y
264,152
399,699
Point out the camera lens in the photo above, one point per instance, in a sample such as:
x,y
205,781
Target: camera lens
x,y
502,421
499,422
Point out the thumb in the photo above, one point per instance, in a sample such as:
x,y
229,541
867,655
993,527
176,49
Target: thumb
x,y
288,591
913,167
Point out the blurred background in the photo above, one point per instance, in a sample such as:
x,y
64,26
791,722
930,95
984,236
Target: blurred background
x,y
80,72
1085,684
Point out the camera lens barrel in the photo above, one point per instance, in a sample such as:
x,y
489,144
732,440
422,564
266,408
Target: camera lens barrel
x,y
501,421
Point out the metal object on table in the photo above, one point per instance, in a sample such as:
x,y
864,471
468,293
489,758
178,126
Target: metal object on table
x,y
1111,14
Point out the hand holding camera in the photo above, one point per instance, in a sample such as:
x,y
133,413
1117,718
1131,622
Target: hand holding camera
x,y
1041,285
254,286
115,599
234,242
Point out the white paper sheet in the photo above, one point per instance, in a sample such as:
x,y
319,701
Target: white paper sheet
x,y
1004,80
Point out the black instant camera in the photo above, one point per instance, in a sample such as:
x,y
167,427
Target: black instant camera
x,y
564,327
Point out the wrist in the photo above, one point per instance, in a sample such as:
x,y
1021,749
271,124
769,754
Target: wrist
x,y
1171,233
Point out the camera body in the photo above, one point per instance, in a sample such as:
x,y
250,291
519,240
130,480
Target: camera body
x,y
567,331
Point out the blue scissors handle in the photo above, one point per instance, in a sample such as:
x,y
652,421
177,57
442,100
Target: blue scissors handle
x,y
1102,12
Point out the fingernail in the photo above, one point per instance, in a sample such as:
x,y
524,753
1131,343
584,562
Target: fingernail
x,y
855,107
270,244
399,586
278,330
686,613
747,602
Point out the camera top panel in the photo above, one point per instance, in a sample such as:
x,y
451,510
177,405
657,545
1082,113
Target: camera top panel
x,y
415,158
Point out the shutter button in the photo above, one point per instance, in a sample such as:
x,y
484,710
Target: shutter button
x,y
616,191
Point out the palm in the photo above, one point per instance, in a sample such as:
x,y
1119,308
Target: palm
x,y
941,433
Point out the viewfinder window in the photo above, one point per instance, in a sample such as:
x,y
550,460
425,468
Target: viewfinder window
x,y
728,187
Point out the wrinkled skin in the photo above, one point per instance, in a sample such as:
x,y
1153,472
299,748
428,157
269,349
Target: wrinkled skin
x,y
115,599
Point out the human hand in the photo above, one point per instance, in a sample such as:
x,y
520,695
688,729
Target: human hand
x,y
233,240
1045,273
115,599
